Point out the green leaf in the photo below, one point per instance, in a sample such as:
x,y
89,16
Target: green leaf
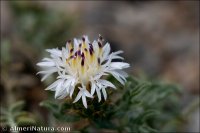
x,y
24,120
18,106
67,117
149,113
21,113
104,123
146,129
50,105
137,108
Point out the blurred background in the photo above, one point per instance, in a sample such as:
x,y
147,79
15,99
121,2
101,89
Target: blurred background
x,y
160,40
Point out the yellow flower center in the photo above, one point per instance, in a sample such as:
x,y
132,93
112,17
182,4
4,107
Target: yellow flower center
x,y
85,61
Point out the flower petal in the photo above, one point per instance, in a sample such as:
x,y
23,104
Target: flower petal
x,y
59,92
104,93
98,94
45,76
46,64
116,57
47,59
122,73
118,77
71,91
80,93
84,101
88,94
119,65
106,51
64,94
54,52
53,85
64,76
59,89
106,83
93,87
118,52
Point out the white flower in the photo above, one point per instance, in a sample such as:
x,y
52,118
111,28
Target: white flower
x,y
81,65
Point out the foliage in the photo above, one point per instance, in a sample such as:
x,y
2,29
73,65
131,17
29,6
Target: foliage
x,y
15,116
140,106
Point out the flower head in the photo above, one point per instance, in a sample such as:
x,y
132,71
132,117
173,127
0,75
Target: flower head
x,y
80,65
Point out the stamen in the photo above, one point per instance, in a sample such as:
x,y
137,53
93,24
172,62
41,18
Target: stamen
x,y
76,53
80,45
83,56
82,62
100,45
79,53
83,38
69,45
98,61
90,50
71,57
91,46
72,49
69,41
67,60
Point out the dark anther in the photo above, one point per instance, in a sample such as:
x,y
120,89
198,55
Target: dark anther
x,y
69,41
83,38
83,56
91,47
90,50
98,60
100,45
71,50
79,53
104,62
82,62
76,53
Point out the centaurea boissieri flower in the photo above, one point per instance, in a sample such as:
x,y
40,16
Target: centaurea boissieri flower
x,y
80,65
